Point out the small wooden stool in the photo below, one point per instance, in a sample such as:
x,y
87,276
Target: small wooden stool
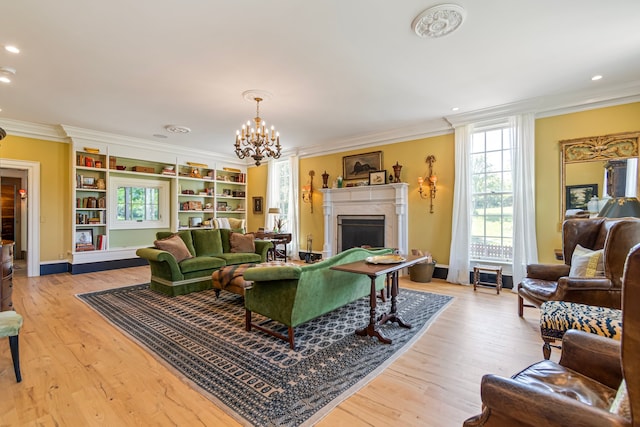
x,y
488,268
10,324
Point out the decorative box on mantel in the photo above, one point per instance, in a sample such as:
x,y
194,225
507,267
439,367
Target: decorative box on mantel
x,y
390,200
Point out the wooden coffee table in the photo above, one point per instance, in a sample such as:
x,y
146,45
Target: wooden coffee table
x,y
374,271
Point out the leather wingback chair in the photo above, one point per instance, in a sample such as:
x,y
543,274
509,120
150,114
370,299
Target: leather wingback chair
x,y
580,389
550,282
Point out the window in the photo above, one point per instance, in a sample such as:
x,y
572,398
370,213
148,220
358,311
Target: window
x,y
139,203
491,195
284,187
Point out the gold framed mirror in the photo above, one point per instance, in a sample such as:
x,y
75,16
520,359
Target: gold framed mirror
x,y
584,162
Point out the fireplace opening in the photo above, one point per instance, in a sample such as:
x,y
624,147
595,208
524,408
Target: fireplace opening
x,y
360,230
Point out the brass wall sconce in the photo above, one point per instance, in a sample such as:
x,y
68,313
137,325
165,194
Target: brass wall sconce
x,y
307,191
431,179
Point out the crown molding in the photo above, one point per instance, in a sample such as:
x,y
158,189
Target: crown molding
x,y
34,130
76,133
554,105
425,129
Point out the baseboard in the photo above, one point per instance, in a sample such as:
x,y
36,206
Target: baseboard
x,y
65,267
106,265
59,267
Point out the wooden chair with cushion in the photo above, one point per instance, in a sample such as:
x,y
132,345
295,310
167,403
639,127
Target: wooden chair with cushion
x,y
594,251
595,384
10,324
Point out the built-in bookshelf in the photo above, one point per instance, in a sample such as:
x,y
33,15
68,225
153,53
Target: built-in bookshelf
x,y
90,209
199,193
205,194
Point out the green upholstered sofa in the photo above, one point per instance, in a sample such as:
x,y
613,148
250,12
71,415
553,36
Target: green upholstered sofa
x,y
295,295
210,248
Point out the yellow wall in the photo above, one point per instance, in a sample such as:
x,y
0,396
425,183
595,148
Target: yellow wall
x,y
55,206
432,232
429,232
551,130
256,187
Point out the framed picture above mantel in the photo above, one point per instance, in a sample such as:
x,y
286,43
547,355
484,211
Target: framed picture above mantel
x,y
358,166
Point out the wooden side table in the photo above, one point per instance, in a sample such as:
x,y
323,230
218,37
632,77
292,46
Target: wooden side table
x,y
491,269
277,239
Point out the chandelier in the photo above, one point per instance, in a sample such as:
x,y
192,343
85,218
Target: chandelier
x,y
256,141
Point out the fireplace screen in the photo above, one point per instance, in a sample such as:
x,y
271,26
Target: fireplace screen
x,y
360,230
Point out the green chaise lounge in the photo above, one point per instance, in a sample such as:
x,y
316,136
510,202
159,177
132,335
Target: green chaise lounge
x,y
210,249
295,295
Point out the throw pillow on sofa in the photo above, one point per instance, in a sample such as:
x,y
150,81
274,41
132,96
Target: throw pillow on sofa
x,y
242,243
234,224
185,235
175,246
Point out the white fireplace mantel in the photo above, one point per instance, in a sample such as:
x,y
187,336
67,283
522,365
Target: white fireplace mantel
x,y
389,200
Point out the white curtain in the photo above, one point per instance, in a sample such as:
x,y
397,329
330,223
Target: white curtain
x,y
525,248
459,264
277,197
294,212
273,193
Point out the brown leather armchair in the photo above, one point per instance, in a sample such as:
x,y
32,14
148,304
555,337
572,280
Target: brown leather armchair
x,y
550,282
580,389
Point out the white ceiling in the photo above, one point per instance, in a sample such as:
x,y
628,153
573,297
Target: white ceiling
x,y
342,72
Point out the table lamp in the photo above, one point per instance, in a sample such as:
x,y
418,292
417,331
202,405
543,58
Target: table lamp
x,y
276,212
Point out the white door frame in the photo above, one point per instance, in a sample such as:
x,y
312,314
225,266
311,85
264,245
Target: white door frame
x,y
33,211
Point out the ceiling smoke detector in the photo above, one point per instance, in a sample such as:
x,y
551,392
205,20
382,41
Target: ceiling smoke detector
x,y
438,21
177,129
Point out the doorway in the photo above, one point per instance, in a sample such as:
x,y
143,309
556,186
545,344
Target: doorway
x,y
28,174
11,204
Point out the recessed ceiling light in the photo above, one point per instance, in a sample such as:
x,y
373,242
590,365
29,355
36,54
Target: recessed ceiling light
x,y
12,49
455,109
596,77
177,129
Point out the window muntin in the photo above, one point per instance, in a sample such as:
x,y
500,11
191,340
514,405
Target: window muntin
x,y
491,195
139,203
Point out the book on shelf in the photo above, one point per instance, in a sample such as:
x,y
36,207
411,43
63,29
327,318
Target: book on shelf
x,y
83,247
101,243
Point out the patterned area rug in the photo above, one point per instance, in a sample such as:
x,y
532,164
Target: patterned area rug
x,y
254,377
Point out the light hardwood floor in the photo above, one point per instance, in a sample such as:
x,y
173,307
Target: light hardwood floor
x,y
78,370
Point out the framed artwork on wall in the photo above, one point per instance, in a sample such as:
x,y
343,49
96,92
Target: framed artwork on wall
x,y
257,205
577,196
358,166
